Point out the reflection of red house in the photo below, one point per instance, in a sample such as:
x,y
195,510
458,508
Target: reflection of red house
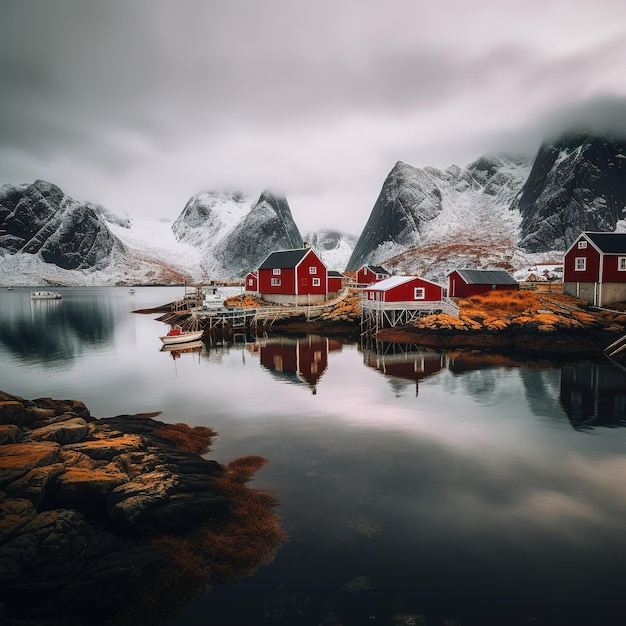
x,y
466,283
594,268
369,274
406,365
293,277
404,289
300,360
252,281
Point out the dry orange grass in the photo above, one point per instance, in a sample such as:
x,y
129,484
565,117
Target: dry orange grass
x,y
349,309
245,301
497,310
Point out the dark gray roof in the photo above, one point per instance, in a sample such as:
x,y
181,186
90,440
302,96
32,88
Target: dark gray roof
x,y
334,274
486,277
284,259
377,269
611,243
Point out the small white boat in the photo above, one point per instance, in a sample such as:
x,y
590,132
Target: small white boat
x,y
45,295
177,335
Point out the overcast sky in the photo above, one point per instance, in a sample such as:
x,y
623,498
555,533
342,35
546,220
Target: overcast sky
x,y
137,105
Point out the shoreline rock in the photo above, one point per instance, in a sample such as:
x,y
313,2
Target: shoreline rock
x,y
82,500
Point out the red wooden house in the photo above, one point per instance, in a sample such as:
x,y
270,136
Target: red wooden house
x,y
594,268
465,283
369,274
335,281
293,277
404,289
252,281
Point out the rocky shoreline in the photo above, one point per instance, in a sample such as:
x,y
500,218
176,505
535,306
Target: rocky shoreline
x,y
92,508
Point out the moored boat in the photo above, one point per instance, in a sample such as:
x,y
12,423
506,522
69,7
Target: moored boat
x,y
45,295
177,335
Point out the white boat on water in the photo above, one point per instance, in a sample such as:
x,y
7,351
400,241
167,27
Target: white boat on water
x,y
45,295
177,335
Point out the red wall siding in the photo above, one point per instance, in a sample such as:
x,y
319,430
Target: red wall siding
x,y
311,260
591,274
406,293
610,273
334,284
255,282
365,277
287,285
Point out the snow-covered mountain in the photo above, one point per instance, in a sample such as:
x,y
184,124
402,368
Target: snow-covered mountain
x,y
44,233
234,234
420,212
500,211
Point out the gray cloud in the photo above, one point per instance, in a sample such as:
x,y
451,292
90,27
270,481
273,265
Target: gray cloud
x,y
137,104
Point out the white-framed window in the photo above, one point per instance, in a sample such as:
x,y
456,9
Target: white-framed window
x,y
580,264
315,282
621,263
276,271
312,270
582,245
250,281
419,293
275,282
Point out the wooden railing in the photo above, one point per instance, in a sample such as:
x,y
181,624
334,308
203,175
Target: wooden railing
x,y
445,306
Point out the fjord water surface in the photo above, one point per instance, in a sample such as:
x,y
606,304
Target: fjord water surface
x,y
415,487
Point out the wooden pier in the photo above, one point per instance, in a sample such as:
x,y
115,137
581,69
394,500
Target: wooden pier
x,y
376,315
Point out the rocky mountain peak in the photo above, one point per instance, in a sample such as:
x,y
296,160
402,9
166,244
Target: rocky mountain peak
x,y
40,219
577,182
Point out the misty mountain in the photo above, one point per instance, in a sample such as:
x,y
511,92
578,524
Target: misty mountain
x,y
500,211
577,182
234,235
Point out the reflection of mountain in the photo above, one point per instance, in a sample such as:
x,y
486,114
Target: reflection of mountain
x,y
48,331
594,394
401,363
296,361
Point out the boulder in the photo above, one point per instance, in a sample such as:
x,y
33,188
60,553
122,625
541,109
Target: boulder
x,y
11,412
68,430
10,433
17,459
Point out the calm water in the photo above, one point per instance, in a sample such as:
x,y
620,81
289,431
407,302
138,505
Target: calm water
x,y
455,487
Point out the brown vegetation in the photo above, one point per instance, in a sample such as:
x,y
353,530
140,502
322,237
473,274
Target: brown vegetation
x,y
220,550
245,301
195,440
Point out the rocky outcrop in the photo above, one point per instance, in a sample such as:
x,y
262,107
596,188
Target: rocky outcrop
x,y
78,495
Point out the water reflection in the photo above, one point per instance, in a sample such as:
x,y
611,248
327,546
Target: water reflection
x,y
594,394
301,361
403,364
54,331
